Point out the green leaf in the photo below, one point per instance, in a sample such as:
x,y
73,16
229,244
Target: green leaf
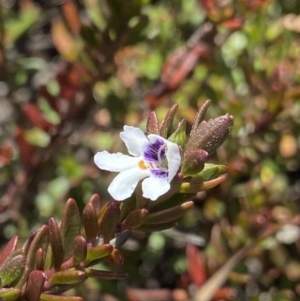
x,y
179,136
12,268
68,277
210,172
80,248
9,294
47,297
98,252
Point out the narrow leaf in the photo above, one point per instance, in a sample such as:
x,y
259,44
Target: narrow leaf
x,y
34,285
115,257
157,227
200,116
108,219
12,268
168,215
9,248
152,124
80,248
67,277
9,294
105,274
179,136
56,243
39,262
210,172
40,240
90,223
95,200
47,297
167,123
135,218
208,289
98,252
70,227
196,186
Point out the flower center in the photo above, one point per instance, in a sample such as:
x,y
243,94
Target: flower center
x,y
155,156
142,165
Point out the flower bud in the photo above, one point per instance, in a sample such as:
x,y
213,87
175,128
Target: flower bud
x,y
193,162
210,134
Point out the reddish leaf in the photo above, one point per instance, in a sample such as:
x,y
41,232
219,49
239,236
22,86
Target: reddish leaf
x,y
63,40
26,150
196,265
35,285
68,79
5,154
234,23
35,116
181,63
9,248
225,293
176,69
71,15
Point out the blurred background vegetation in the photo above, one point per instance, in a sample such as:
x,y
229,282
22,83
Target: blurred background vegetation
x,y
72,73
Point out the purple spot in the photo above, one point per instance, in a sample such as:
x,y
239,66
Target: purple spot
x,y
159,173
154,152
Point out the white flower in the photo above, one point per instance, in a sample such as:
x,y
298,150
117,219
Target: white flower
x,y
155,159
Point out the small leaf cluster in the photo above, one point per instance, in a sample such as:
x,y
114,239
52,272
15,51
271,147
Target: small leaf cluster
x,y
59,256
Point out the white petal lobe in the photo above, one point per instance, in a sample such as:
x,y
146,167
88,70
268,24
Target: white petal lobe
x,y
135,139
153,187
173,158
125,182
115,162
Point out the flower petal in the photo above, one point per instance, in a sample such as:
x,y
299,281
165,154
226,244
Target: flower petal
x,y
154,187
153,151
115,162
172,154
134,138
174,159
125,182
